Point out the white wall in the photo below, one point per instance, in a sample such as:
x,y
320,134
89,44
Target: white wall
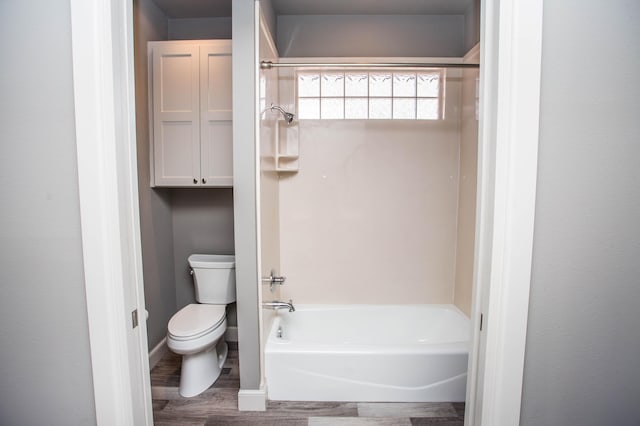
x,y
371,215
583,340
370,35
45,360
269,191
466,226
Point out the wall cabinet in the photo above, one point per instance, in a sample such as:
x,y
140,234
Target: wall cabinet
x,y
190,108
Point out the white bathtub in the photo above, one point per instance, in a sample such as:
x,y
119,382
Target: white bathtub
x,y
410,353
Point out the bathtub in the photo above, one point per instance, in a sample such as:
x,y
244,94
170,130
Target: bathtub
x,y
394,353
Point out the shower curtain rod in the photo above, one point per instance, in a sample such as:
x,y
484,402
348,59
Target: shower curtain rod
x,y
267,65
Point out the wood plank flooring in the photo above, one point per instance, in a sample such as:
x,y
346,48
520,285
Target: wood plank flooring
x,y
218,405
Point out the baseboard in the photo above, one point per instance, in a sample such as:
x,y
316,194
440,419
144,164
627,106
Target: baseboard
x,y
231,335
157,353
252,400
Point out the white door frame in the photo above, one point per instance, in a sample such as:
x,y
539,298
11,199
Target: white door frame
x,y
510,89
102,54
511,47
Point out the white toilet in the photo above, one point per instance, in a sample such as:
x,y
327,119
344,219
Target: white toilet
x,y
197,330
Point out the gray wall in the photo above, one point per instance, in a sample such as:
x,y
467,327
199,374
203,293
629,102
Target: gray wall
x,y
201,218
269,14
200,28
174,222
244,193
472,25
582,362
202,223
155,204
45,361
370,35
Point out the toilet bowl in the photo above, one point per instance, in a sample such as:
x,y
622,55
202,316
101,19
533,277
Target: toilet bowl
x,y
197,331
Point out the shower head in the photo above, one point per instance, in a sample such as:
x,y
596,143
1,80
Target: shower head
x,y
288,117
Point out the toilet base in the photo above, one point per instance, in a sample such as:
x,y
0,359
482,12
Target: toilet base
x,y
202,369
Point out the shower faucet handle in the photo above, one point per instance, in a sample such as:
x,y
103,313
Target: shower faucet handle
x,y
272,280
278,280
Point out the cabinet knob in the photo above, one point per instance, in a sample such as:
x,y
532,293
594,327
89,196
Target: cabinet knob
x,y
204,180
195,180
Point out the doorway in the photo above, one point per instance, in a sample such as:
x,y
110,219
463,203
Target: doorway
x,y
506,172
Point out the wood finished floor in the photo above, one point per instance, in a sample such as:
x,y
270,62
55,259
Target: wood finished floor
x,y
218,405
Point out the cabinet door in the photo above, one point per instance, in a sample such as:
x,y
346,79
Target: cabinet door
x,y
216,143
176,115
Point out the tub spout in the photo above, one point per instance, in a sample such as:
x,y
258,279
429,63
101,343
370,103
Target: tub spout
x,y
275,305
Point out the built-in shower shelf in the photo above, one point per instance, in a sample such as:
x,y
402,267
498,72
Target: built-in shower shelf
x,y
287,163
287,148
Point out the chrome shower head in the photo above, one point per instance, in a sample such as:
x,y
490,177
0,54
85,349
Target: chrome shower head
x,y
288,117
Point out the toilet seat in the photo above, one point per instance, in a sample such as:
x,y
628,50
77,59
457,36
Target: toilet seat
x,y
196,320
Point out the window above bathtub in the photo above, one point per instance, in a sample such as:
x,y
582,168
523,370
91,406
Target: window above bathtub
x,y
403,94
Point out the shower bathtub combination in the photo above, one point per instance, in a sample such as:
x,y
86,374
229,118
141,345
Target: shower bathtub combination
x,y
392,353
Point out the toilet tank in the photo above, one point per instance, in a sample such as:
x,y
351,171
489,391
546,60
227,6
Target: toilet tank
x,y
214,277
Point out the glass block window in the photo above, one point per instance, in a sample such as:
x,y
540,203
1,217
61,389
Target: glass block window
x,y
385,95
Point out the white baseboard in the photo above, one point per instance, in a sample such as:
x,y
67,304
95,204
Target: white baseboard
x,y
157,353
231,335
252,399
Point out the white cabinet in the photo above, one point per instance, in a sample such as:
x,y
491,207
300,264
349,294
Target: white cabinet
x,y
190,102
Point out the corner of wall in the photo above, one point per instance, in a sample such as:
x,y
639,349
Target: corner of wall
x,y
244,15
150,23
270,17
465,244
472,25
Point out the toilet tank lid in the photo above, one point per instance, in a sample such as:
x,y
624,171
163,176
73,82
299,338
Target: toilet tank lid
x,y
212,261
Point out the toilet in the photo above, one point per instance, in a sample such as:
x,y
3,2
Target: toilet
x,y
197,331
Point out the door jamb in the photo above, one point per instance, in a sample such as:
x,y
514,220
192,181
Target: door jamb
x,y
511,55
102,55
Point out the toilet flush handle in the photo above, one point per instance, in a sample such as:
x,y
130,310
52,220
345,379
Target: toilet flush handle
x,y
190,271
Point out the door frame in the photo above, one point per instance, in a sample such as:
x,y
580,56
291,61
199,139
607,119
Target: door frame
x,y
511,56
102,40
103,79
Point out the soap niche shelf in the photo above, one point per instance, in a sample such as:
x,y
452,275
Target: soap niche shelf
x,y
287,148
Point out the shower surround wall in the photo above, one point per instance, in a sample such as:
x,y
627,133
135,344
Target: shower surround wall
x,y
269,191
357,179
468,182
371,216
